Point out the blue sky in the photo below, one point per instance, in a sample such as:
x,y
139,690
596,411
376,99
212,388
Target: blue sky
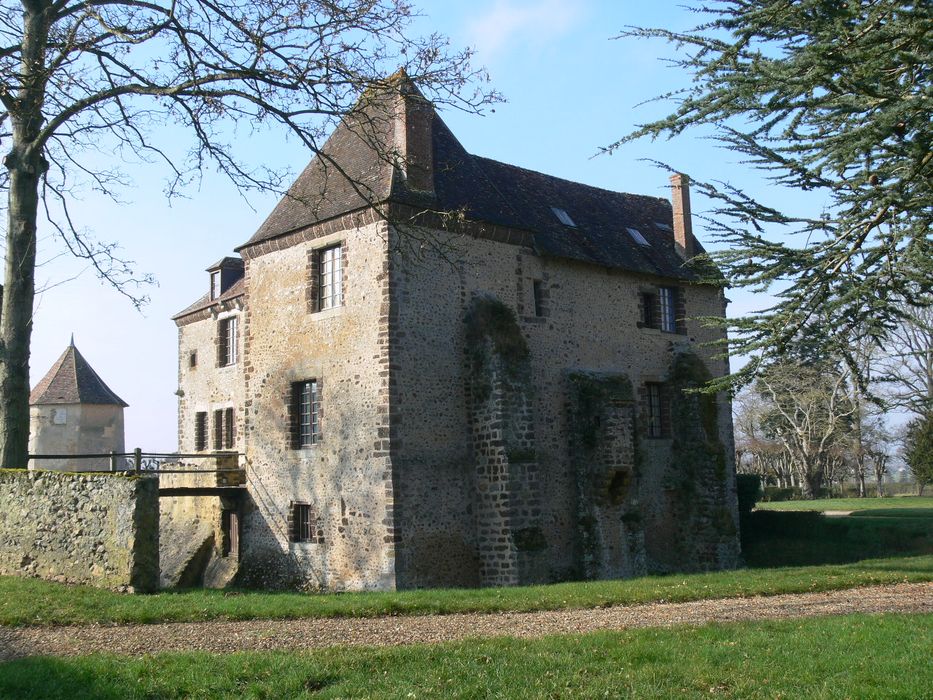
x,y
569,87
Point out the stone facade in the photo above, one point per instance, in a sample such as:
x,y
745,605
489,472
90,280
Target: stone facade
x,y
495,401
97,529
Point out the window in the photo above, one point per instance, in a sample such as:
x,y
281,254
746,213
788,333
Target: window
x,y
563,217
306,414
215,284
637,237
668,301
228,429
655,414
330,282
230,531
219,429
305,526
227,342
537,287
648,316
193,359
200,431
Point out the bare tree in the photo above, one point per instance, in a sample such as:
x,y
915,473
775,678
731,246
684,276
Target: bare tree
x,y
810,411
909,365
82,78
877,441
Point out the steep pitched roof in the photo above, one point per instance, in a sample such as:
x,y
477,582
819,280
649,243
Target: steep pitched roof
x,y
483,190
72,380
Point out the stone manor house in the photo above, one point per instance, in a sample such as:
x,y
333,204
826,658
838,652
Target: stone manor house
x,y
444,370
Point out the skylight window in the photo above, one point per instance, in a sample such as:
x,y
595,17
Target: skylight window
x,y
563,217
664,227
637,237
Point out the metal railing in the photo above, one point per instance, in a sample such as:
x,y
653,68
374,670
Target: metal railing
x,y
140,462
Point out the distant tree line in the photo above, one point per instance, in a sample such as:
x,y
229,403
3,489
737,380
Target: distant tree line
x,y
810,422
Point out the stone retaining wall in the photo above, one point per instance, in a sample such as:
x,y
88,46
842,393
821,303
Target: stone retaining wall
x,y
97,529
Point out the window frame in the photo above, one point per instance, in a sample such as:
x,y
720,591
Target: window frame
x,y
216,284
200,431
218,429
306,414
329,281
537,294
229,441
227,341
667,304
654,410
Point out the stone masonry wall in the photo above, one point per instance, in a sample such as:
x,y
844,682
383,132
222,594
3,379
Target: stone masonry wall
x,y
96,529
587,319
345,479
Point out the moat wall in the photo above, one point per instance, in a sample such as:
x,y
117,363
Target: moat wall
x,y
97,529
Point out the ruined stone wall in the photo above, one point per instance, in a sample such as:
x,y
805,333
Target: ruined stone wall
x,y
75,429
589,321
96,529
346,479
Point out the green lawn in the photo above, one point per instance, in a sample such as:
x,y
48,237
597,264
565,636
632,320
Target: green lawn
x,y
796,533
919,502
35,602
843,657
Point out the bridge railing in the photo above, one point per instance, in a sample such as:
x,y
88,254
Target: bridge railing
x,y
141,462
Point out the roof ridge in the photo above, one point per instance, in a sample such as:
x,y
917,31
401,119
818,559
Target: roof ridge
x,y
575,183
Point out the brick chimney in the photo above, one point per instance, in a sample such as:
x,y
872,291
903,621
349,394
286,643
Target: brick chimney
x,y
413,137
684,243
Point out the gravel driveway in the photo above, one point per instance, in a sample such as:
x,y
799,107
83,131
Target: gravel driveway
x,y
256,635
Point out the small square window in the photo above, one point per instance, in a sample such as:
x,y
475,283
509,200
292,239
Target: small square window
x,y
637,237
563,217
305,524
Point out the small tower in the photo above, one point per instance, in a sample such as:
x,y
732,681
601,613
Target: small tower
x,y
72,411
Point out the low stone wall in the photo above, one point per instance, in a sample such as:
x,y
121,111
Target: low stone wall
x,y
97,529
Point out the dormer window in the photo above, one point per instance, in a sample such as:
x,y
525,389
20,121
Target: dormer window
x,y
563,217
215,284
637,237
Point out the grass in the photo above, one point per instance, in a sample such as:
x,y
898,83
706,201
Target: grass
x,y
859,656
911,502
35,602
877,527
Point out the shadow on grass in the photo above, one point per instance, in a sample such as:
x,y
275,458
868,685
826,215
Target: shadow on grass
x,y
805,538
163,676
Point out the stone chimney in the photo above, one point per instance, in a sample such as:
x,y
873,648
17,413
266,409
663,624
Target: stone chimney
x,y
684,243
413,137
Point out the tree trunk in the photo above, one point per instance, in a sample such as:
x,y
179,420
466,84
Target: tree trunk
x,y
811,484
879,485
26,164
16,320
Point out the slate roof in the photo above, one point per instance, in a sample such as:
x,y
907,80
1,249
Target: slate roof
x,y
484,190
72,380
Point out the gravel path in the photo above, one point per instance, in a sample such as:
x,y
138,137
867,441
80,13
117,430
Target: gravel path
x,y
292,635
